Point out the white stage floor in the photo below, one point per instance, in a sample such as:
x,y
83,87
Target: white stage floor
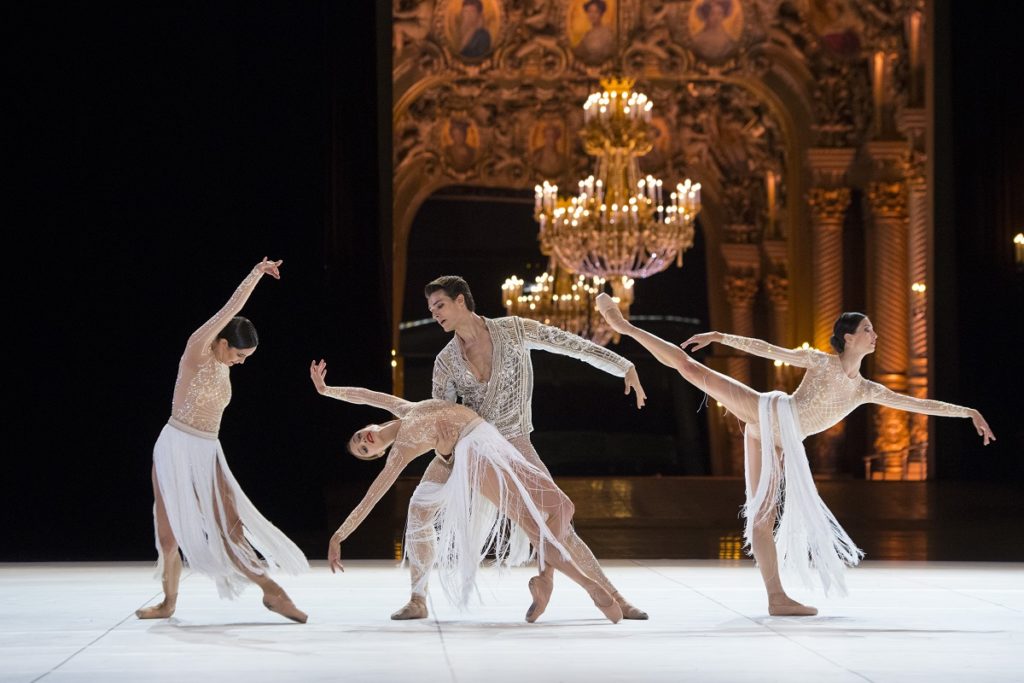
x,y
902,622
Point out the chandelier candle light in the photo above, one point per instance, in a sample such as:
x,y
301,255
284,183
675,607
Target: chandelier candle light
x,y
619,223
566,301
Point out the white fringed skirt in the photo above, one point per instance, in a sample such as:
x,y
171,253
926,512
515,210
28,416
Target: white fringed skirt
x,y
808,538
491,487
195,483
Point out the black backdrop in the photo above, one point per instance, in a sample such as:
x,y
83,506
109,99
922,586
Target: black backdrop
x,y
155,153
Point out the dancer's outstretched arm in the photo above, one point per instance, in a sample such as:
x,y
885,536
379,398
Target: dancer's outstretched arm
x,y
799,357
396,406
887,397
397,459
201,339
555,340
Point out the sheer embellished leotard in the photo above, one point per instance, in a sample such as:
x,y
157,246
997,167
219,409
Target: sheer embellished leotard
x,y
203,388
504,399
826,394
417,435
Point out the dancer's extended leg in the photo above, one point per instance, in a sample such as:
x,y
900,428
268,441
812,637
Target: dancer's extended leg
x,y
274,597
762,542
420,544
542,585
168,548
738,398
558,510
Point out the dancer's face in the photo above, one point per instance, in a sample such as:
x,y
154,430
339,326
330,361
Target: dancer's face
x,y
229,355
367,443
449,313
864,339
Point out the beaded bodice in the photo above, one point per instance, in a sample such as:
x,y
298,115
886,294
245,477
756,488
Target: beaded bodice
x,y
203,388
504,399
826,394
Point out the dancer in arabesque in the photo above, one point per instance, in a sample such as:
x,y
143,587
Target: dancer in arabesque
x,y
806,537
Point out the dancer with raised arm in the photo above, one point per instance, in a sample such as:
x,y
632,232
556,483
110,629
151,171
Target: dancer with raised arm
x,y
487,366
199,506
489,480
807,538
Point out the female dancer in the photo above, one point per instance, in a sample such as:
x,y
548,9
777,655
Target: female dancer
x,y
808,535
489,481
199,505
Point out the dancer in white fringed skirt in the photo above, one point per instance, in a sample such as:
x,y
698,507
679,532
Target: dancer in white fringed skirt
x,y
489,481
807,538
199,506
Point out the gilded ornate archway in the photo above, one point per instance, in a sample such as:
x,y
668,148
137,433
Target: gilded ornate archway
x,y
779,108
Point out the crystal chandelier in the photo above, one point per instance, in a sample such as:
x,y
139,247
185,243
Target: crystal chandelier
x,y
566,301
619,223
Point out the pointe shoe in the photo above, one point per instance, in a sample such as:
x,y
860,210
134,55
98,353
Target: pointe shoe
x,y
283,605
161,611
788,607
416,608
630,611
610,310
604,602
540,588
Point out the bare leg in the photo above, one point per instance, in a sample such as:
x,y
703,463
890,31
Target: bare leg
x,y
762,542
738,398
171,560
542,585
274,597
420,544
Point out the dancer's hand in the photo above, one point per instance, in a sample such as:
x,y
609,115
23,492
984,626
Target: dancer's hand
x,y
984,431
633,383
334,554
447,437
699,341
318,373
271,268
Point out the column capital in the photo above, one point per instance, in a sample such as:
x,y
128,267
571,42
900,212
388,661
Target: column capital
x,y
888,199
828,204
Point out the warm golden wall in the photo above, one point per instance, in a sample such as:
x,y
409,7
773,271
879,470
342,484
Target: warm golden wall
x,y
782,110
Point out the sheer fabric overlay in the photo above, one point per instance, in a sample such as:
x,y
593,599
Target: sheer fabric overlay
x,y
195,482
808,538
491,497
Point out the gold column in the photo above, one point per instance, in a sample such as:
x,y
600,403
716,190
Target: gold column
x,y
887,197
913,122
828,199
743,267
776,285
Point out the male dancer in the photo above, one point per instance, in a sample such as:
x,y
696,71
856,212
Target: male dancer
x,y
487,365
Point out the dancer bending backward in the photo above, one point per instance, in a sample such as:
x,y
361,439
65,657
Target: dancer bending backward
x,y
807,536
199,505
487,366
489,480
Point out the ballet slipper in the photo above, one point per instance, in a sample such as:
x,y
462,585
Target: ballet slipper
x,y
604,602
629,611
283,605
162,611
540,588
610,310
785,606
416,608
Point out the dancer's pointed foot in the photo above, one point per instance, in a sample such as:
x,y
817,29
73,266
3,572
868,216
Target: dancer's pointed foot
x,y
283,605
607,307
606,603
416,608
785,606
629,611
540,588
162,611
